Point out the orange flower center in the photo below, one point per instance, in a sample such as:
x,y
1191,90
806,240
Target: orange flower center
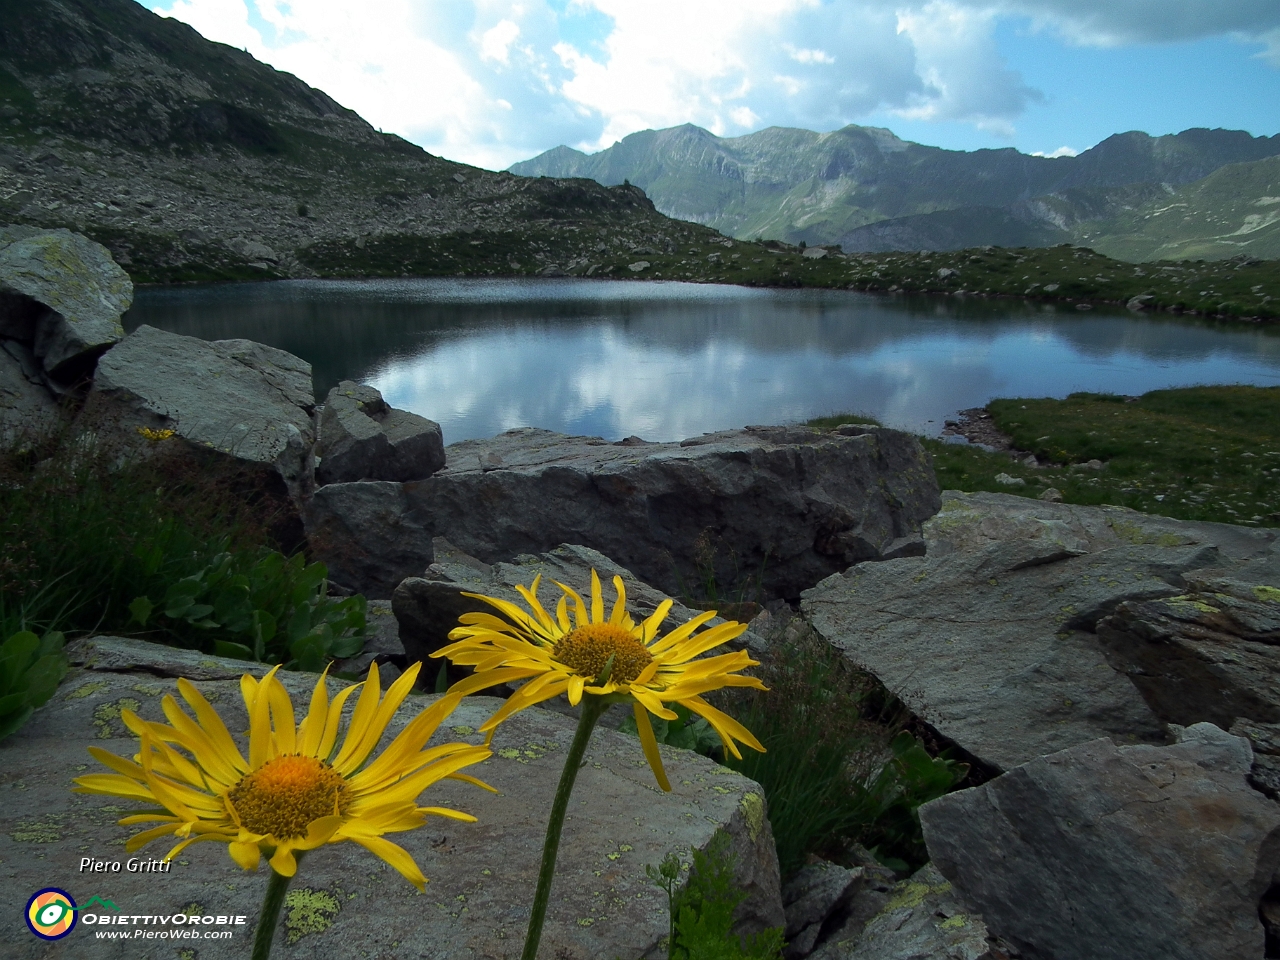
x,y
283,796
587,649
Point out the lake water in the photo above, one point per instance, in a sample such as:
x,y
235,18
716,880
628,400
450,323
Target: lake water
x,y
666,360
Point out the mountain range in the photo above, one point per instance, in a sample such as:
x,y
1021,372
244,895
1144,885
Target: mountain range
x,y
870,191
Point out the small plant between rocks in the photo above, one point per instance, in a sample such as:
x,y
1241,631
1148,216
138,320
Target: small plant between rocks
x,y
162,546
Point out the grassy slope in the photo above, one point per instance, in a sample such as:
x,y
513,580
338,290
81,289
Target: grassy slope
x,y
1200,453
1232,289
1232,211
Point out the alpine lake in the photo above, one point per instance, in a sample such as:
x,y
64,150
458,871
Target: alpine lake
x,y
669,360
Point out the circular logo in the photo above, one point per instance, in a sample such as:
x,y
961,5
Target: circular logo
x,y
51,913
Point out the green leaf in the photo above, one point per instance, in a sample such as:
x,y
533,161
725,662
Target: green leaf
x,y
11,722
197,611
341,648
233,651
16,655
43,678
140,609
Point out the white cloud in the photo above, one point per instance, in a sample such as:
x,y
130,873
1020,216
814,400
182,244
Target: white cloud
x,y
808,56
1116,22
495,43
965,76
494,81
1060,152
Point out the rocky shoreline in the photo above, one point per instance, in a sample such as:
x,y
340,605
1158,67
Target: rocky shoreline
x,y
1113,673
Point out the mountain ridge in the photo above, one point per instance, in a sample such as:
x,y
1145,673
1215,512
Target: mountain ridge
x,y
191,160
798,185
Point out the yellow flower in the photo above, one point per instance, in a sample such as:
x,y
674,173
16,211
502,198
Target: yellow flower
x,y
562,655
155,436
298,789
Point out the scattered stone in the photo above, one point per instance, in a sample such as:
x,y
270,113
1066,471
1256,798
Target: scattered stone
x,y
989,637
481,875
1139,303
1209,654
922,918
62,295
1007,481
785,505
233,398
1087,465
362,438
370,534
1052,495
815,253
1102,852
638,266
1265,740
253,250
944,272
810,897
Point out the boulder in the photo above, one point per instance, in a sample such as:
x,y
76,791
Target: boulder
x,y
921,918
1209,654
361,438
428,607
810,898
27,408
61,294
235,399
784,506
1101,852
371,535
345,902
990,637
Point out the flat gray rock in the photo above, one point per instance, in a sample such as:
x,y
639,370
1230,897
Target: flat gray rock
x,y
233,398
989,638
362,438
82,290
786,505
427,608
347,902
1102,852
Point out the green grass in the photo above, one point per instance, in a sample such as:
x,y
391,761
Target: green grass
x,y
80,539
1199,453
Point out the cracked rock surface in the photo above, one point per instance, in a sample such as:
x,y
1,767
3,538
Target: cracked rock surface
x,y
990,638
1101,852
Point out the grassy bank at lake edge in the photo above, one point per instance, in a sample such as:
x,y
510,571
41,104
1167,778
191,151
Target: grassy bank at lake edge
x,y
1197,453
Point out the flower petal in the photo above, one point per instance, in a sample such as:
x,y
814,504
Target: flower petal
x,y
396,856
247,855
650,744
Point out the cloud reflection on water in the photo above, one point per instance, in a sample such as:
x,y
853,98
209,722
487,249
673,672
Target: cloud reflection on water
x,y
666,361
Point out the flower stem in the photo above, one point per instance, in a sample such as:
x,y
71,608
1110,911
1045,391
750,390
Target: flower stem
x,y
277,887
592,707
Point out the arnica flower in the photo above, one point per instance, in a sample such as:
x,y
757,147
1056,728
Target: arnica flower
x,y
596,661
567,654
298,789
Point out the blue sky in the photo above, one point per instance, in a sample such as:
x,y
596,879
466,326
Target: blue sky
x,y
491,82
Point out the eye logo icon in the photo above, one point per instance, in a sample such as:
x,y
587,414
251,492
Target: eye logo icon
x,y
51,913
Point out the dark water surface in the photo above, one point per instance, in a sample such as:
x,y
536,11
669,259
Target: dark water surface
x,y
667,360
